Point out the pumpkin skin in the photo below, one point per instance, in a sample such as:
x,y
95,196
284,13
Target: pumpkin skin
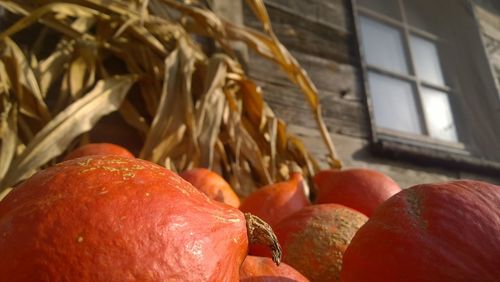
x,y
110,218
263,269
432,232
274,202
360,189
212,184
315,238
99,149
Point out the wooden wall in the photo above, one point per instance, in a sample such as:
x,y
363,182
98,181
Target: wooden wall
x,y
320,35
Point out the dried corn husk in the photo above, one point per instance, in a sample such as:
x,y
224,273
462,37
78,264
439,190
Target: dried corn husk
x,y
196,109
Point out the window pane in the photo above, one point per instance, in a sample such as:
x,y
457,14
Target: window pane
x,y
438,114
386,7
383,46
393,103
426,60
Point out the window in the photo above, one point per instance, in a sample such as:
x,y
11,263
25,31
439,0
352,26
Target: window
x,y
429,84
405,78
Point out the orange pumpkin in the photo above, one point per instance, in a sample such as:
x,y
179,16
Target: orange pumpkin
x,y
213,185
263,269
432,232
274,202
360,189
99,149
315,238
110,218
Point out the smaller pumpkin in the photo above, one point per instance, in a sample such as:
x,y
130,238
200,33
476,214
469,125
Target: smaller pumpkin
x,y
360,189
99,149
212,184
263,269
274,202
315,238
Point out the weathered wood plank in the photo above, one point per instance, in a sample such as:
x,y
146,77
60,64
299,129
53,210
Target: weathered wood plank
x,y
331,13
325,33
489,23
327,75
341,116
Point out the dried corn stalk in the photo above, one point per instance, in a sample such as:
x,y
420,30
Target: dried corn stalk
x,y
93,57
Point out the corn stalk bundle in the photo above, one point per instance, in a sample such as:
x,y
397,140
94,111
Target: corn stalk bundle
x,y
86,59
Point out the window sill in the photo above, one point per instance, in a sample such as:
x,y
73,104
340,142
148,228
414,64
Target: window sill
x,y
423,141
426,151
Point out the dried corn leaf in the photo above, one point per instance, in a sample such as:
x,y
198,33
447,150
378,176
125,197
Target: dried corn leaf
x,y
50,69
253,103
147,38
4,193
82,70
208,23
61,9
195,110
8,135
251,152
14,8
5,85
209,109
78,118
24,82
187,63
259,10
133,118
167,110
273,137
76,77
164,150
214,106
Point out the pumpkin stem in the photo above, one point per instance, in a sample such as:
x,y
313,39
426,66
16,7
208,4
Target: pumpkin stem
x,y
260,232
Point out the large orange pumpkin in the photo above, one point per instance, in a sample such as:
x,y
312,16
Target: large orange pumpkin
x,y
99,149
431,232
315,238
212,184
360,189
274,202
263,269
110,218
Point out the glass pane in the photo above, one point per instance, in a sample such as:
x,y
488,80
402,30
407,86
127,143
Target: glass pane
x,y
383,46
386,7
438,114
426,60
393,103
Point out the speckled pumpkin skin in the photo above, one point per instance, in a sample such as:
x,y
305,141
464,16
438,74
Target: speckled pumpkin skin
x,y
99,149
109,218
432,232
274,202
358,188
263,269
212,184
315,238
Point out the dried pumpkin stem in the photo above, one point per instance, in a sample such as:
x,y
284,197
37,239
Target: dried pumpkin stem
x,y
261,232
